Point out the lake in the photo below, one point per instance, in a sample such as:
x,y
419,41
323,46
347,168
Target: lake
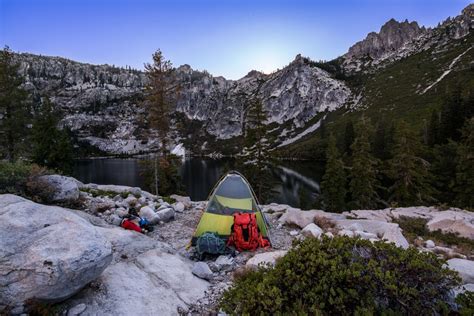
x,y
296,183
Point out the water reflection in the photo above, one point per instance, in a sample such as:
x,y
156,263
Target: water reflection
x,y
296,183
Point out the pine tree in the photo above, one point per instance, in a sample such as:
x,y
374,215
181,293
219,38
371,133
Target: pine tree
x,y
349,136
408,170
14,109
452,117
160,97
51,146
465,168
257,158
443,169
434,129
379,147
256,138
333,185
363,173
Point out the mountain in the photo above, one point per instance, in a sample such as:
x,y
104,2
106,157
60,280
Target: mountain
x,y
101,104
403,71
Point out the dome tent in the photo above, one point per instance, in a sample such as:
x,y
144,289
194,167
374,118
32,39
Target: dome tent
x,y
231,194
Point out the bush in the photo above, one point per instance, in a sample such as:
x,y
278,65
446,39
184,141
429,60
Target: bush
x,y
344,276
21,178
465,303
13,176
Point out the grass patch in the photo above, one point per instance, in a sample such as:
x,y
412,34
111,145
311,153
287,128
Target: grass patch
x,y
168,199
110,194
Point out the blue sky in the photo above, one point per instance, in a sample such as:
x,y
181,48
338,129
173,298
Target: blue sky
x,y
227,37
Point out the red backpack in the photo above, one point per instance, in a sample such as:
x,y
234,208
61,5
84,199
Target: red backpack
x,y
245,234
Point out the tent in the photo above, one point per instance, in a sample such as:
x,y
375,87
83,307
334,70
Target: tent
x,y
231,194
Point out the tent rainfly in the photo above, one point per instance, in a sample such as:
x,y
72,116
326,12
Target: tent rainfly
x,y
231,194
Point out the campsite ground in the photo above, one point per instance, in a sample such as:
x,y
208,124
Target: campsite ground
x,y
154,273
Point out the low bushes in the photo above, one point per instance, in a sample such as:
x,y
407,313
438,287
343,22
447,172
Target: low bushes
x,y
344,276
22,178
414,227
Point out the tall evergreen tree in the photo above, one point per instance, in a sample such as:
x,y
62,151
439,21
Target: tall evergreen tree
x,y
363,172
349,136
14,110
465,168
443,169
452,117
160,97
257,158
51,146
434,129
333,184
408,170
379,147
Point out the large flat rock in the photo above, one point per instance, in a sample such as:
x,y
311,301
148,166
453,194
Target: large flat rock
x,y
154,283
47,253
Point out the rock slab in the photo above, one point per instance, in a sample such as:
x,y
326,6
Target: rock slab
x,y
464,267
48,252
265,258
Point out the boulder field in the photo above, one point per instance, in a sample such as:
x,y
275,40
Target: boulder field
x,y
83,262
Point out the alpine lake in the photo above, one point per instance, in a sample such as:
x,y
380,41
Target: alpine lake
x,y
295,183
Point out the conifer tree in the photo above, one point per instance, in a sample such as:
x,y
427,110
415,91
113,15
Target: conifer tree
x,y
256,138
380,148
363,172
333,185
160,97
465,168
257,158
434,129
443,169
452,117
51,146
14,109
408,171
349,136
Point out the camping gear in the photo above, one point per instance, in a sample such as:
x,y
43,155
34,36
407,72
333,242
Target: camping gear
x,y
245,233
129,224
210,243
232,194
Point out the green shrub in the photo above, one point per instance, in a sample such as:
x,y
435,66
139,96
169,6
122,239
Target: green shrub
x,y
465,302
344,276
13,176
22,178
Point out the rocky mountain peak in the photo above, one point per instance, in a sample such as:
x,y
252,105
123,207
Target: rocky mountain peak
x,y
392,36
469,11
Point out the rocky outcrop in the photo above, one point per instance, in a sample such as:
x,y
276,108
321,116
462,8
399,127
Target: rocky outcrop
x,y
392,36
453,220
294,94
397,40
48,253
99,103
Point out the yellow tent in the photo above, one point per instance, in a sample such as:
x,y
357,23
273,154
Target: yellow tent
x,y
231,194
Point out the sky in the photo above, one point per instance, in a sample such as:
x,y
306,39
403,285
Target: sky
x,y
226,37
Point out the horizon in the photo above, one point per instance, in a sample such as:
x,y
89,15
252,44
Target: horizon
x,y
260,36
